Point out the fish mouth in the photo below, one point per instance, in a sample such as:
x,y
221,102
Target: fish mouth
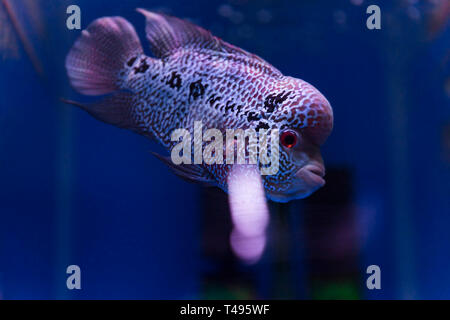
x,y
312,174
307,180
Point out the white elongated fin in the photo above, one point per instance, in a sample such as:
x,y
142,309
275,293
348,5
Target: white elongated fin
x,y
249,212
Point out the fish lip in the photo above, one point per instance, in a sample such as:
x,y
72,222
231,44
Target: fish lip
x,y
313,175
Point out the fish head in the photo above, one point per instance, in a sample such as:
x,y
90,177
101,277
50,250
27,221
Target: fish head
x,y
304,118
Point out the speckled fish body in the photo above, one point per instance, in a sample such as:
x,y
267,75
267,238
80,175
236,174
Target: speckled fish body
x,y
195,76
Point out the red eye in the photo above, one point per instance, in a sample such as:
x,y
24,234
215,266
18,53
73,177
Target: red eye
x,y
289,138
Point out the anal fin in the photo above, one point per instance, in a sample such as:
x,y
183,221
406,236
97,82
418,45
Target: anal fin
x,y
115,109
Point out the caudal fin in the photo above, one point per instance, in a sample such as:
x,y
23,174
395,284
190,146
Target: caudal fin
x,y
97,57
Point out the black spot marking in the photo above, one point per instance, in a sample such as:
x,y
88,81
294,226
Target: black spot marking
x,y
230,106
213,99
273,101
131,61
262,125
196,89
252,116
142,67
174,81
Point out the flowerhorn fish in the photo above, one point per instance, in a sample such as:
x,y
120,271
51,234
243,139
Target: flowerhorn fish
x,y
195,79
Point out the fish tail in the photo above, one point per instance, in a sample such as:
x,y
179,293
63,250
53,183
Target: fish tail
x,y
97,62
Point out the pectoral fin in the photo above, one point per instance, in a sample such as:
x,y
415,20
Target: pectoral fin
x,y
189,172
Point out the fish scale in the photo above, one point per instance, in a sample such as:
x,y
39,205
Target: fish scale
x,y
194,76
216,80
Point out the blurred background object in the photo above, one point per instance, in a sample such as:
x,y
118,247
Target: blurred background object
x,y
76,191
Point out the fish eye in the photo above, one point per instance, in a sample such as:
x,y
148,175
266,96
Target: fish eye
x,y
289,138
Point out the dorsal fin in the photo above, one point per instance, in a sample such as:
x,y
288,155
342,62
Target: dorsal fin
x,y
166,34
